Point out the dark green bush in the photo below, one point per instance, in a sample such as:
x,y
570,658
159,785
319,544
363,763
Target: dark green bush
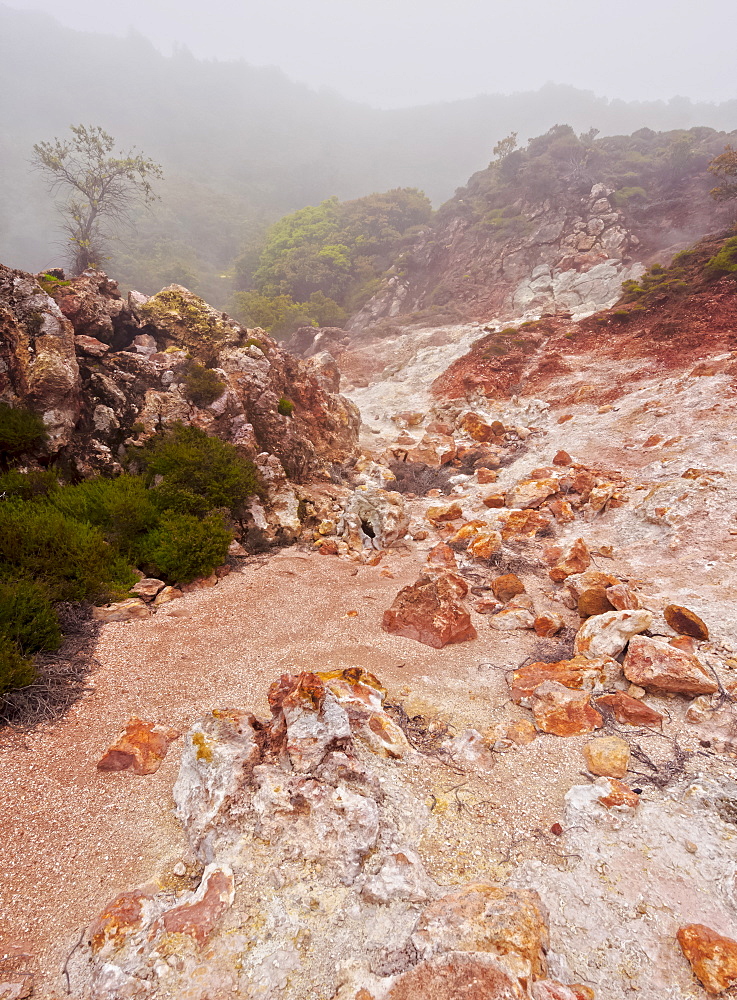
x,y
285,407
182,547
16,670
70,559
20,430
27,617
202,386
200,473
121,508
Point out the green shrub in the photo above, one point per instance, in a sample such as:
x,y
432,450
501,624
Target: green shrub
x,y
27,617
122,508
285,407
16,670
202,385
200,473
182,547
20,431
724,262
28,485
70,559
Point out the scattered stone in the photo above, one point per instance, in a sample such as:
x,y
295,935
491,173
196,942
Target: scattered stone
x,y
562,458
141,747
525,522
123,611
448,512
607,635
148,588
429,612
531,493
577,559
166,596
486,476
622,597
521,731
487,607
713,957
548,625
512,617
578,674
485,545
402,876
700,710
442,555
494,501
657,666
476,427
686,622
180,869
561,511
594,601
563,712
608,756
508,586
629,710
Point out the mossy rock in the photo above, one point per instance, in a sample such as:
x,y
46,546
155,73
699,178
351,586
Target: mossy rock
x,y
184,320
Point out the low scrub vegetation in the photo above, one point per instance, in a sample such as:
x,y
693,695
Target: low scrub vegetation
x,y
170,516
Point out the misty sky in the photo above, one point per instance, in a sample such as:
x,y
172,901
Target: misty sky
x,y
392,53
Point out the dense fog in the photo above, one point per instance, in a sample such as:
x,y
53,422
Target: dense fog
x,y
241,143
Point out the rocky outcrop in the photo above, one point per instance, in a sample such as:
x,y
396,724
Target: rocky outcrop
x,y
303,874
107,373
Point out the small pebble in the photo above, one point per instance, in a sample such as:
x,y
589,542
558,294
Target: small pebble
x,y
180,869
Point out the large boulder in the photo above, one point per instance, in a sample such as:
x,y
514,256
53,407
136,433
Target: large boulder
x,y
430,611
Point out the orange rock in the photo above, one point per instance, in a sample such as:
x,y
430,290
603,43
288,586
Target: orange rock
x,y
619,794
561,511
429,612
126,913
594,601
578,674
563,712
506,923
420,536
577,559
465,533
449,512
442,555
657,666
562,458
713,957
531,493
630,710
142,747
684,643
686,622
592,579
622,597
487,607
494,501
548,625
522,732
197,918
476,427
608,756
327,547
485,544
525,522
508,586
486,476
449,977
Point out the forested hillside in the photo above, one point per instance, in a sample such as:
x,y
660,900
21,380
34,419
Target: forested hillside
x,y
241,146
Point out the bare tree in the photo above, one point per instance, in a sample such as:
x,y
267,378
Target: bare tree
x,y
99,188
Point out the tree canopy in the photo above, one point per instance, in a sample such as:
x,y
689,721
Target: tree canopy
x,y
724,168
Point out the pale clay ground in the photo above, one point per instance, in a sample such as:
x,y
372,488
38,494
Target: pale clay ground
x,y
73,837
